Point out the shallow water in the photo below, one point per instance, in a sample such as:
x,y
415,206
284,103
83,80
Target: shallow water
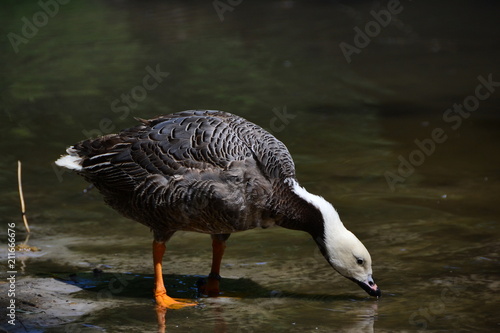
x,y
433,234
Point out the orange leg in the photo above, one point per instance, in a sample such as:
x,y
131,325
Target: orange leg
x,y
218,246
160,292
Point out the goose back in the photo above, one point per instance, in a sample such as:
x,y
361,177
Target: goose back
x,y
205,171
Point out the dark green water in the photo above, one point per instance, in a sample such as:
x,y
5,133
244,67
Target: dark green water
x,y
432,229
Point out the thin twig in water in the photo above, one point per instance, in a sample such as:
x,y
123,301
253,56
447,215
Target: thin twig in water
x,y
21,196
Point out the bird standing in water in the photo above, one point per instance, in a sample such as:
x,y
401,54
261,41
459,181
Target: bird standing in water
x,y
215,173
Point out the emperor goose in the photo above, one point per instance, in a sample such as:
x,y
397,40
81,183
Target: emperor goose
x,y
215,173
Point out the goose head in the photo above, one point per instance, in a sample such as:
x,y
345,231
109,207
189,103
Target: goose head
x,y
340,247
348,256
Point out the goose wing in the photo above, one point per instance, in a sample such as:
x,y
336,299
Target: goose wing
x,y
180,143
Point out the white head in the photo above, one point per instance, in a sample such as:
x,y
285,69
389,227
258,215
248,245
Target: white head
x,y
341,248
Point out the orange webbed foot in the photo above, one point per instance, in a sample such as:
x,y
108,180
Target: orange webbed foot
x,y
165,301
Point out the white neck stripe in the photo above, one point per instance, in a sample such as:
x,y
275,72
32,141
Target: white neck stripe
x,y
332,223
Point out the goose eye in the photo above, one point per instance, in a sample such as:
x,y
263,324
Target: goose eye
x,y
359,261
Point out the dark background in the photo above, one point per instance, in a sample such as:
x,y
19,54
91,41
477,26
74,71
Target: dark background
x,y
430,220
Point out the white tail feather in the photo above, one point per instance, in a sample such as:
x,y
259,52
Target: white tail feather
x,y
71,161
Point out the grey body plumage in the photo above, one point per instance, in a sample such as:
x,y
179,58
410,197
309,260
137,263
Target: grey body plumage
x,y
216,173
205,171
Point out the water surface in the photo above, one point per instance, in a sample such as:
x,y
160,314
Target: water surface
x,y
433,235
